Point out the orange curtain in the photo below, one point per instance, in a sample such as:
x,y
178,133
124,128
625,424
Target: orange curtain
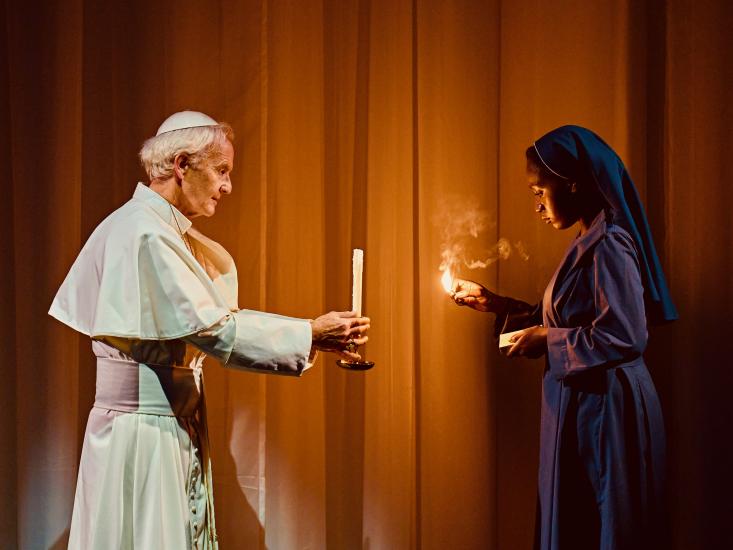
x,y
365,123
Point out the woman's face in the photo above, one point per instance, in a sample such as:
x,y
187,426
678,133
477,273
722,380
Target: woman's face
x,y
555,198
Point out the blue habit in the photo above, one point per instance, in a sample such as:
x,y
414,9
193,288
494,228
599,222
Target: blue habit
x,y
602,447
601,432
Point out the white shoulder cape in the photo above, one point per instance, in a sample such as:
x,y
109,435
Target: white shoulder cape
x,y
135,277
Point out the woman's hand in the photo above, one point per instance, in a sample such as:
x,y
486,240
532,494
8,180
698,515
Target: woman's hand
x,y
340,332
531,342
473,295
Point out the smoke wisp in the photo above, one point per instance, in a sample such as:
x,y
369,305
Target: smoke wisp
x,y
463,244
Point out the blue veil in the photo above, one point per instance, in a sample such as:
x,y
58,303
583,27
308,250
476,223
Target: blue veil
x,y
575,153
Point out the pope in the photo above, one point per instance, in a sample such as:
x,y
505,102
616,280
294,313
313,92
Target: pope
x,y
156,296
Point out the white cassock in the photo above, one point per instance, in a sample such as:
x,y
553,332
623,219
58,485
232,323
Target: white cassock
x,y
154,310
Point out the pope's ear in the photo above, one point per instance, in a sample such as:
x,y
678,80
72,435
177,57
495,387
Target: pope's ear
x,y
180,165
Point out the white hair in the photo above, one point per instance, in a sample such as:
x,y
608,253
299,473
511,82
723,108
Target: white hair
x,y
158,153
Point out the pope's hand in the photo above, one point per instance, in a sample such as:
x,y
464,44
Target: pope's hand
x,y
340,332
473,295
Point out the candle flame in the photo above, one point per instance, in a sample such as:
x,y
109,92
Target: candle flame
x,y
447,281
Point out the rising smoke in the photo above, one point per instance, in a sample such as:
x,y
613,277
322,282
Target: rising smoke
x,y
464,238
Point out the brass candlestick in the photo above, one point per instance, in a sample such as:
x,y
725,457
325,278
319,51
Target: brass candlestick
x,y
354,365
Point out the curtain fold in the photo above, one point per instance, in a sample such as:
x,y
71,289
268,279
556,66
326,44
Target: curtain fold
x,y
699,230
396,127
456,137
45,106
346,28
389,397
8,431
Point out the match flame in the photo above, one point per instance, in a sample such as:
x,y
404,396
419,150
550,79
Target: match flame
x,y
447,281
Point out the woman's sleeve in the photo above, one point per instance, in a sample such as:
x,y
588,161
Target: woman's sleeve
x,y
618,332
514,315
258,341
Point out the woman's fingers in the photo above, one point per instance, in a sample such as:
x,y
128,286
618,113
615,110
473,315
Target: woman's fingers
x,y
459,298
528,343
466,300
462,282
514,350
516,342
467,292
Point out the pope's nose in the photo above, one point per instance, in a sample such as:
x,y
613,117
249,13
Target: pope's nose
x,y
226,189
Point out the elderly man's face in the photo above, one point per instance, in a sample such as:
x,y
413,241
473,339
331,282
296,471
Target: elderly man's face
x,y
204,184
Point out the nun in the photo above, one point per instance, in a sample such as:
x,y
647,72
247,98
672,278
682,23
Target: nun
x,y
602,446
156,296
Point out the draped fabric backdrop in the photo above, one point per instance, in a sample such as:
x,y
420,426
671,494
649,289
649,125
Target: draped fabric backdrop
x,y
359,122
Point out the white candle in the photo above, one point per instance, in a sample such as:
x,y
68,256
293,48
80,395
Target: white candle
x,y
357,266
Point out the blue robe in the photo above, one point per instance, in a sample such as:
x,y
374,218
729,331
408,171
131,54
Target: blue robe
x,y
602,441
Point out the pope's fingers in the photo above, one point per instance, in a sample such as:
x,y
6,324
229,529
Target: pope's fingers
x,y
348,314
361,341
351,356
360,321
361,329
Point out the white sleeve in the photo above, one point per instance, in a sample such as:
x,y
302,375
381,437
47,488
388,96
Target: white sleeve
x,y
258,341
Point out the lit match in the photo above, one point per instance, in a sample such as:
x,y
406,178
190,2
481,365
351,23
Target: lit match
x,y
447,281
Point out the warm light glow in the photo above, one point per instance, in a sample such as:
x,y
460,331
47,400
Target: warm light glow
x,y
447,281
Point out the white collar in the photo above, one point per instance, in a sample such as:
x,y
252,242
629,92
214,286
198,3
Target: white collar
x,y
162,207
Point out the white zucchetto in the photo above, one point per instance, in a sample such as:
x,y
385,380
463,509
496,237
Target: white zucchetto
x,y
185,119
